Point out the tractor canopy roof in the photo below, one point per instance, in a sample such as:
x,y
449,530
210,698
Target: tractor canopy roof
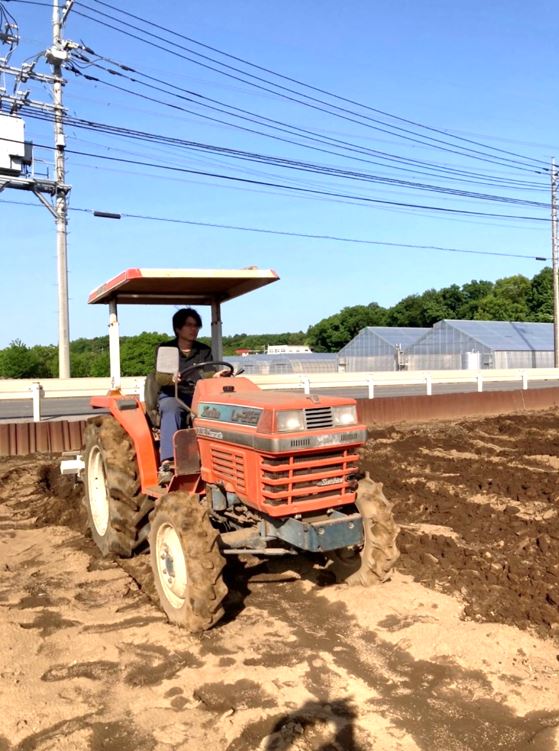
x,y
180,286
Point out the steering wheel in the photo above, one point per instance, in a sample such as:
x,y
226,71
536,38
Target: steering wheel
x,y
202,365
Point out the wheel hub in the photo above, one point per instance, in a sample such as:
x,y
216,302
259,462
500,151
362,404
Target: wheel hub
x,y
172,570
97,491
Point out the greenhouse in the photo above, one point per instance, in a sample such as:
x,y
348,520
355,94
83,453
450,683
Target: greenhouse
x,y
276,364
379,348
483,344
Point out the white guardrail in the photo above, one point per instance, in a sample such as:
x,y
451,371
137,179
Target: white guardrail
x,y
52,388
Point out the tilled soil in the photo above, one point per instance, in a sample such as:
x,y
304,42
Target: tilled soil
x,y
458,651
478,503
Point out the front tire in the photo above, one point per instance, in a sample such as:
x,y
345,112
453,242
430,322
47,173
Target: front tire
x,y
186,562
380,551
117,510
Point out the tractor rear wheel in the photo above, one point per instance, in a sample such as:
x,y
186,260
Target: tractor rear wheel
x,y
379,552
117,510
186,562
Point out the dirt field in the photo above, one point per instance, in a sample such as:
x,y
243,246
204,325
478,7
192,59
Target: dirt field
x,y
459,651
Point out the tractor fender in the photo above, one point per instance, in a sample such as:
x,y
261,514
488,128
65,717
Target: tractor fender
x,y
128,411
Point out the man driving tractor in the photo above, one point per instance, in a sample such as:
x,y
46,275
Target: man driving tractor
x,y
187,322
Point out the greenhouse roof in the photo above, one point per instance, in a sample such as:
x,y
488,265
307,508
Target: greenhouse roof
x,y
293,362
394,335
507,335
285,357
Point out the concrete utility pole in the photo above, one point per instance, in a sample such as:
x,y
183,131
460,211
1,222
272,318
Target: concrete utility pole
x,y
56,56
13,174
555,263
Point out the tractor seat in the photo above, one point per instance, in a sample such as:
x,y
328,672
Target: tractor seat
x,y
151,400
151,393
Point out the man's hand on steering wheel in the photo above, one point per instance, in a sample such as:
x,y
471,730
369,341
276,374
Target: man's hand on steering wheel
x,y
225,372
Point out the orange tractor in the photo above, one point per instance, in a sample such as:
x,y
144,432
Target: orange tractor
x,y
256,472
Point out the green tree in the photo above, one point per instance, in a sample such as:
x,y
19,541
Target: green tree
x,y
80,364
19,361
407,312
540,296
439,304
100,366
137,353
472,293
89,357
426,309
508,301
46,358
93,347
334,332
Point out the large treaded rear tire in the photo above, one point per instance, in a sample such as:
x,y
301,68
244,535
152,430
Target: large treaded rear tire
x,y
186,562
117,510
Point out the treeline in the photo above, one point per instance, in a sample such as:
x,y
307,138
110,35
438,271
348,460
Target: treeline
x,y
513,298
90,357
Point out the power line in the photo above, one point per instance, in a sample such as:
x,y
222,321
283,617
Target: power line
x,y
465,150
408,163
296,165
284,233
306,85
345,174
308,167
483,221
264,183
30,2
409,122
487,158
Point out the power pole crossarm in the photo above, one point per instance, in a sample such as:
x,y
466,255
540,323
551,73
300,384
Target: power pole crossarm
x,y
26,72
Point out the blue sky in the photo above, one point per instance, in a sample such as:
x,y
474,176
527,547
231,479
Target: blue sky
x,y
473,72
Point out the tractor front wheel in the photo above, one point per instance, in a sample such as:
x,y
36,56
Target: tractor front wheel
x,y
186,562
380,531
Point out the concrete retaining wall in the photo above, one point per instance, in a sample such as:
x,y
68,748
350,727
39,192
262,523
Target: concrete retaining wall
x,y
387,410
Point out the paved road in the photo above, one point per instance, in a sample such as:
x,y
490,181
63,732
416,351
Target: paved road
x,y
51,409
55,409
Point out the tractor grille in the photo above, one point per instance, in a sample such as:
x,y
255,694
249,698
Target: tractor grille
x,y
318,417
309,477
229,466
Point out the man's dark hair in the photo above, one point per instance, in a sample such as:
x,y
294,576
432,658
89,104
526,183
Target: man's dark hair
x,y
179,319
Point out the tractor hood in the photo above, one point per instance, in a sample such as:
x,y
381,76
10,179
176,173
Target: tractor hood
x,y
243,392
235,410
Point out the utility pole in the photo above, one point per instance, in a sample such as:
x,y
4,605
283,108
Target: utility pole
x,y
14,172
555,263
56,56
